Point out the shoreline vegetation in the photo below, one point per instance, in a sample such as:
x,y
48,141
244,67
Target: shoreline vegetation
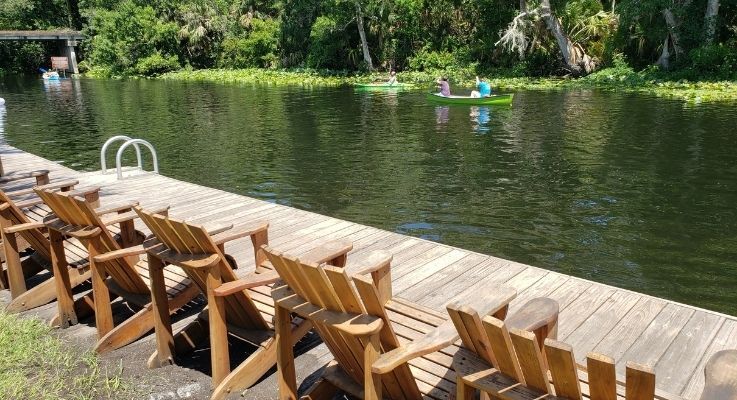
x,y
36,364
609,79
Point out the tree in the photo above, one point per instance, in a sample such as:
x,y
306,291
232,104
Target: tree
x,y
515,38
362,35
710,20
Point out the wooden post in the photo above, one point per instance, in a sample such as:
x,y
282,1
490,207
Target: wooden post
x,y
219,356
286,376
162,319
72,56
64,298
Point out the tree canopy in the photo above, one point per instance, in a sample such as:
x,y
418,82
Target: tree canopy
x,y
696,39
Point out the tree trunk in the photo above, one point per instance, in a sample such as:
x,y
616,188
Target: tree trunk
x,y
362,34
522,5
670,20
664,59
710,20
575,58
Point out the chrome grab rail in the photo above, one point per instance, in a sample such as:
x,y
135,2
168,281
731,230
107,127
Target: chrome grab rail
x,y
135,142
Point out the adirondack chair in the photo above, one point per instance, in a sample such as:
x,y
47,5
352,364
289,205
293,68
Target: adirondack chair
x,y
22,230
127,277
241,307
384,346
510,364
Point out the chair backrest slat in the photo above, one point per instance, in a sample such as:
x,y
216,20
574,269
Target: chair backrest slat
x,y
563,369
502,348
474,337
530,360
602,377
344,290
640,382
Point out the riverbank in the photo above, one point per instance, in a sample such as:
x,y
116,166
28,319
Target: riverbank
x,y
610,79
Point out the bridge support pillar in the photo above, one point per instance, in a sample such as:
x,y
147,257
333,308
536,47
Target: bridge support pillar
x,y
72,56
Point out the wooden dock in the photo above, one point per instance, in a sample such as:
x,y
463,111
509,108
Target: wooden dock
x,y
674,338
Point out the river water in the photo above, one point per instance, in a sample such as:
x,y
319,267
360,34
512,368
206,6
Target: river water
x,y
624,189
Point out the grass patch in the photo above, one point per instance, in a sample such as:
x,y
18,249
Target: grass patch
x,y
36,364
618,78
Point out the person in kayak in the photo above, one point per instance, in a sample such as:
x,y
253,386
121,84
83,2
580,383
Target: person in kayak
x,y
484,89
392,78
444,86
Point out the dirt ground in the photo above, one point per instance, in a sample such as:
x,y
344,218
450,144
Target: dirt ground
x,y
190,379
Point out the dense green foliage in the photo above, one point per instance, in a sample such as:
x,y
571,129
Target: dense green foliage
x,y
691,39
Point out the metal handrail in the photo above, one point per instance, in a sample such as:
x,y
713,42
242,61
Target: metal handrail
x,y
135,142
103,161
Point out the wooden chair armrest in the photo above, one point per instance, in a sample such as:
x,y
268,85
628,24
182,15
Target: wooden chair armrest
x,y
327,252
127,206
40,175
227,236
127,216
64,185
539,316
720,376
90,194
249,281
442,336
127,252
28,203
214,230
24,227
373,262
118,218
378,265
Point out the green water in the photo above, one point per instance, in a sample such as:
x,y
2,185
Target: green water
x,y
632,191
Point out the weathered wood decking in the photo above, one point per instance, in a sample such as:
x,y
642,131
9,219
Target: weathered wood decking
x,y
676,339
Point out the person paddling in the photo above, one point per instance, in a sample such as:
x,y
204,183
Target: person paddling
x,y
444,86
484,89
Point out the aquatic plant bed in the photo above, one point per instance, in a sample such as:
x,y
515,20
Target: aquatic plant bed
x,y
617,79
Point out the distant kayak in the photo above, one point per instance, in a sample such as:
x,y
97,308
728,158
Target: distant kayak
x,y
383,85
495,99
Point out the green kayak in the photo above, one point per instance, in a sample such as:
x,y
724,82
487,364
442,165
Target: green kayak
x,y
495,99
382,85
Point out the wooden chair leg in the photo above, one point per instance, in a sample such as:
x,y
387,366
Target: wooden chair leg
x,y
372,382
259,239
64,297
320,390
185,341
103,308
162,319
249,371
286,376
142,322
463,391
84,306
16,280
219,356
46,292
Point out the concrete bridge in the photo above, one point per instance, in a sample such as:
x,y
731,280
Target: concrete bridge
x,y
68,40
